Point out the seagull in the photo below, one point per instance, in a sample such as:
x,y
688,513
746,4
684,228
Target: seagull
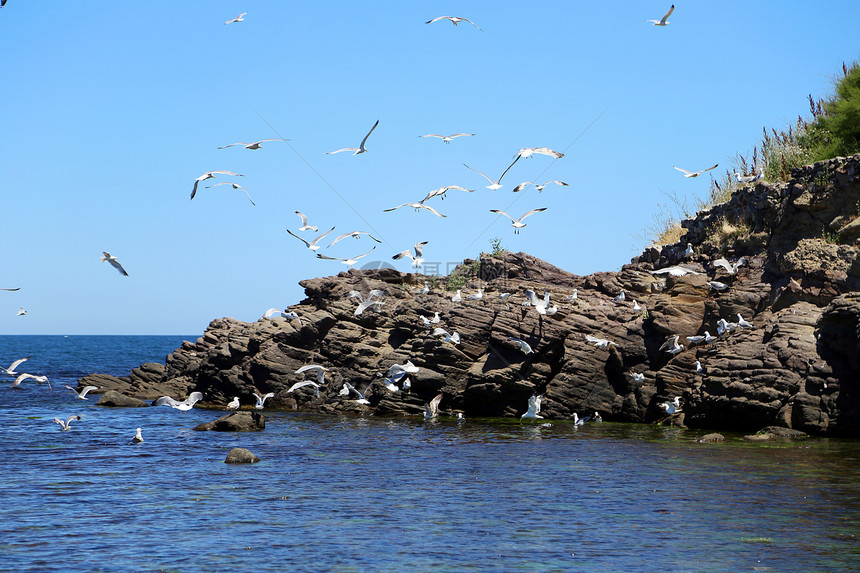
x,y
636,306
662,21
235,186
22,312
504,296
254,145
11,289
138,437
11,370
65,425
365,303
693,340
389,385
699,368
312,245
676,271
305,226
431,409
494,184
708,338
457,297
261,400
24,376
694,173
577,421
743,323
234,404
182,406
407,368
83,393
534,407
361,148
717,285
689,252
620,297
419,253
210,175
518,224
452,338
637,376
428,321
304,383
599,342
672,407
524,346
454,20
724,327
440,192
109,258
416,206
273,311
539,304
426,289
447,138
349,387
320,372
671,345
597,417
354,234
749,178
477,296
731,268
529,151
348,262
460,418
540,187
239,18
572,297
552,310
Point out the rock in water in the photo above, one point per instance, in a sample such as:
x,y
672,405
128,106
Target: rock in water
x,y
114,399
236,422
241,456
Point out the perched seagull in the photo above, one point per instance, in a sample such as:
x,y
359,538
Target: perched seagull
x,y
233,404
11,370
305,226
109,258
524,346
529,151
239,18
350,388
749,178
539,187
460,418
636,306
694,340
676,271
25,376
65,425
534,407
210,175
254,145
552,310
428,321
22,312
637,376
723,326
577,421
597,417
671,345
182,406
672,407
731,268
419,253
663,21
344,391
494,184
572,297
452,338
620,297
717,285
426,289
83,393
361,148
234,186
539,304
312,245
457,296
440,192
138,437
304,383
354,234
700,370
261,400
454,20
694,173
320,372
477,296
416,206
689,252
599,342
504,296
431,409
448,138
743,323
518,224
348,262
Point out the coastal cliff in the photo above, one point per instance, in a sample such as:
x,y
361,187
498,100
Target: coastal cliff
x,y
798,366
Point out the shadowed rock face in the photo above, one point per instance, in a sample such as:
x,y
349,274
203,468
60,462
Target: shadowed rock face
x,y
798,367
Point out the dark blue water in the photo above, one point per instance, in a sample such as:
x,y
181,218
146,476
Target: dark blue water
x,y
366,494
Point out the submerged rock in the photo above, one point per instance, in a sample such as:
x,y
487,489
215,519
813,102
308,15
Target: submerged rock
x,y
711,439
241,456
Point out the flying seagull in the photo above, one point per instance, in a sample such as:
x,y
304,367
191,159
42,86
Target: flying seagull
x,y
373,298
361,148
526,152
11,370
182,406
261,400
671,345
239,18
305,226
83,393
540,187
235,186
64,425
534,408
663,21
448,138
254,145
672,407
431,409
454,20
348,262
25,376
211,175
354,234
731,268
109,258
494,184
21,311
416,206
319,370
11,289
676,271
347,388
452,338
312,245
440,192
695,173
518,224
419,253
304,383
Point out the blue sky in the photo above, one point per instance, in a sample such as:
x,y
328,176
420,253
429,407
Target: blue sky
x,y
110,110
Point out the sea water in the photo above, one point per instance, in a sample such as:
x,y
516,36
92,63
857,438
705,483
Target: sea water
x,y
361,493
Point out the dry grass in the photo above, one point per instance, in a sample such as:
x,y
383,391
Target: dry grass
x,y
724,233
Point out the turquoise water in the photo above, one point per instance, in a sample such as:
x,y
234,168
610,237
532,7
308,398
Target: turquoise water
x,y
365,494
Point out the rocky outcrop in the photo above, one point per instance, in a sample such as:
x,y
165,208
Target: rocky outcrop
x,y
241,456
235,422
797,367
114,399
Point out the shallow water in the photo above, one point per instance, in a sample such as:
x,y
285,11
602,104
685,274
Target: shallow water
x,y
373,494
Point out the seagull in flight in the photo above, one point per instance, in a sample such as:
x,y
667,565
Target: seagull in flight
x,y
361,148
541,305
452,338
239,18
695,173
494,184
672,407
749,178
211,175
348,262
182,406
109,258
291,315
540,187
676,271
312,245
235,186
306,227
419,253
11,370
11,289
25,376
440,192
21,312
731,268
524,346
64,425
347,388
534,408
373,298
431,409
518,224
454,20
320,372
671,345
354,234
526,152
304,383
261,400
416,206
254,145
83,393
663,21
448,138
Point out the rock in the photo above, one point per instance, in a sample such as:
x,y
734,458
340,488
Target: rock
x,y
236,422
241,456
760,437
114,399
711,439
783,432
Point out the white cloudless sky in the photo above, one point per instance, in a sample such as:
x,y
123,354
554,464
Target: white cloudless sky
x,y
110,110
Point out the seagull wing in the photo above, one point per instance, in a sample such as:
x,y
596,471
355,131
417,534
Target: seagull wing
x,y
341,149
402,254
328,258
315,241
684,171
437,19
532,212
500,212
17,363
669,13
670,343
462,135
303,217
472,23
517,158
722,262
432,210
363,141
302,384
432,134
234,144
398,207
419,248
167,400
115,264
299,238
481,174
364,255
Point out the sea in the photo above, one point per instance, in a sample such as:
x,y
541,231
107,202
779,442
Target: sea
x,y
362,493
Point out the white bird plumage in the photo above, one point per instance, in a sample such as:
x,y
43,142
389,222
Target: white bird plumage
x,y
347,261
534,407
664,20
452,338
305,226
361,148
527,152
234,186
239,18
494,184
84,391
539,187
599,342
431,408
317,369
312,245
182,406
353,234
448,138
731,268
11,370
261,400
106,257
211,175
692,174
454,20
441,191
25,376
675,271
523,345
253,145
65,424
416,206
138,436
518,224
417,258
